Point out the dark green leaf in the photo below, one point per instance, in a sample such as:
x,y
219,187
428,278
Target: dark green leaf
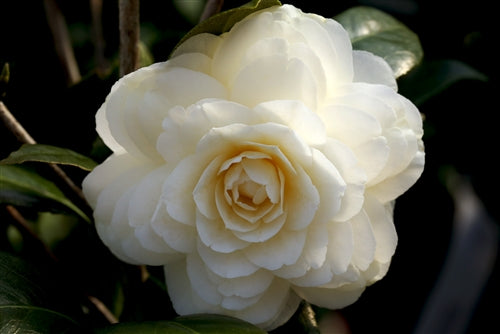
x,y
377,32
431,78
19,282
193,324
35,320
223,22
146,327
24,187
212,324
49,154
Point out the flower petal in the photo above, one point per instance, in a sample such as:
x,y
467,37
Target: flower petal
x,y
229,265
383,228
331,298
373,69
215,235
274,78
283,249
294,114
344,160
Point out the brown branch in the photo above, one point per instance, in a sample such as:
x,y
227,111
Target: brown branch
x,y
23,136
212,7
102,64
13,125
129,35
62,41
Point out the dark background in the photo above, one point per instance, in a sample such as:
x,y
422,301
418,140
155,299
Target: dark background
x,y
460,124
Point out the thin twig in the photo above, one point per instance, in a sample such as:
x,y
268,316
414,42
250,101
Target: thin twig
x,y
212,7
13,125
102,64
101,307
23,136
62,41
129,35
23,226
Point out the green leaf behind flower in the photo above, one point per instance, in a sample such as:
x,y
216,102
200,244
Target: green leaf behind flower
x,y
378,32
22,299
433,77
223,22
49,154
194,324
24,187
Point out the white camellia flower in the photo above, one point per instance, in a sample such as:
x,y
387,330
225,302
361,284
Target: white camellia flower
x,y
259,167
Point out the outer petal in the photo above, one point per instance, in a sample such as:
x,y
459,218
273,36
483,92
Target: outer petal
x,y
332,298
113,223
274,78
381,218
373,69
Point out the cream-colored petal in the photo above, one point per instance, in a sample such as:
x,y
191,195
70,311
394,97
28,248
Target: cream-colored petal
x,y
274,78
215,235
246,286
381,218
344,160
177,192
283,249
302,200
176,235
330,41
185,87
392,187
294,114
228,265
265,24
200,280
274,308
372,69
329,184
350,125
331,298
264,231
364,241
184,299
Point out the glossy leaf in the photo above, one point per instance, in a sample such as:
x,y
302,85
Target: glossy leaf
x,y
194,324
224,21
49,154
213,324
19,282
431,78
23,301
24,187
377,32
146,327
35,320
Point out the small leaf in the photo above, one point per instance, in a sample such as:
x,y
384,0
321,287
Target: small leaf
x,y
431,78
24,187
35,320
377,32
49,154
223,22
213,324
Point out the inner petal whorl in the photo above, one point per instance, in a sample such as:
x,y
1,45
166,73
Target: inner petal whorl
x,y
252,185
